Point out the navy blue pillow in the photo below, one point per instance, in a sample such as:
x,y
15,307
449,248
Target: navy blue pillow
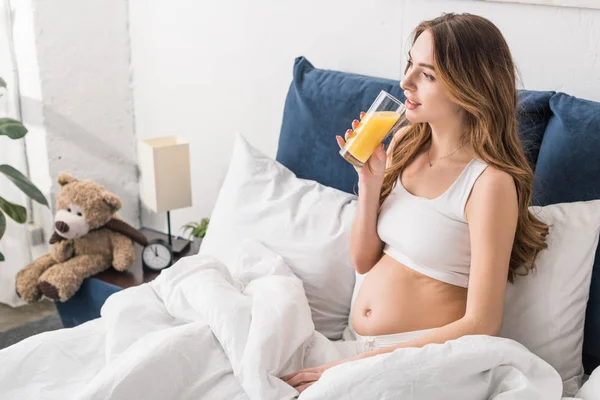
x,y
568,169
564,172
533,113
320,105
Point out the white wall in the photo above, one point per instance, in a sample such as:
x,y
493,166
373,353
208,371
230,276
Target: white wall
x,y
84,103
204,70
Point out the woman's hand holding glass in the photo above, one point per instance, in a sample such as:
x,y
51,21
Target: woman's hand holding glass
x,y
374,169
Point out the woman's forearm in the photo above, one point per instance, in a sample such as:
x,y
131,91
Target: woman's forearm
x,y
365,244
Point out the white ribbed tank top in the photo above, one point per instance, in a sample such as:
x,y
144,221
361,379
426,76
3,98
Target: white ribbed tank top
x,y
431,236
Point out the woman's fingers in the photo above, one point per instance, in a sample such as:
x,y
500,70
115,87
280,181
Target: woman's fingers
x,y
348,134
294,377
288,376
380,152
303,378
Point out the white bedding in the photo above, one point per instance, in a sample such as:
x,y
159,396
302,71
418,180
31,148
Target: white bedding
x,y
197,332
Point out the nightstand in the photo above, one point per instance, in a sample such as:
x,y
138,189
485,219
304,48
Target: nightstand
x,y
87,302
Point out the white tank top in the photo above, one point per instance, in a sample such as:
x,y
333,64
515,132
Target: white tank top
x,y
431,236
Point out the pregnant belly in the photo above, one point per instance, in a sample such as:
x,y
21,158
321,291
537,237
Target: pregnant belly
x,y
394,298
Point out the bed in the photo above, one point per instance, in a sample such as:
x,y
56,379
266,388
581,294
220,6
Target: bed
x,y
272,288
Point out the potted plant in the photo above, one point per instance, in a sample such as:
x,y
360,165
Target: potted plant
x,y
15,130
196,229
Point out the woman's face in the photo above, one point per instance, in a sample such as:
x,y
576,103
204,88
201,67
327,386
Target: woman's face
x,y
420,85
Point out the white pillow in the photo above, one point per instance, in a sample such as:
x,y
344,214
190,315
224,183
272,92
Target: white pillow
x,y
545,310
305,222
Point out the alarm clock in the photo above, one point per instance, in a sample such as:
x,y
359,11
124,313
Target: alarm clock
x,y
157,255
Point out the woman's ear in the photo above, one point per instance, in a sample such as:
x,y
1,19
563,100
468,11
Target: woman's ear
x,y
113,201
65,178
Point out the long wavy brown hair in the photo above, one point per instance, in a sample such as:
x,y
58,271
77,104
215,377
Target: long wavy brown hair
x,y
474,64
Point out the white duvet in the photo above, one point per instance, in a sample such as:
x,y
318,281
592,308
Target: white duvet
x,y
200,331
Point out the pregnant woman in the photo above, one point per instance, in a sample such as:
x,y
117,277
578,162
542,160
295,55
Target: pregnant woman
x,y
442,221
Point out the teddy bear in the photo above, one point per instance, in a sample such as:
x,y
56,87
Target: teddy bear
x,y
89,238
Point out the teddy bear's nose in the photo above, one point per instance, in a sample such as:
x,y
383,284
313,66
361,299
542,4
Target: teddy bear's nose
x,y
62,227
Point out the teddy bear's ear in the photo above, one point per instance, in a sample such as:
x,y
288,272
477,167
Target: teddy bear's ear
x,y
65,178
113,201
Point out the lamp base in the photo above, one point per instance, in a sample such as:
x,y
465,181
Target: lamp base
x,y
178,244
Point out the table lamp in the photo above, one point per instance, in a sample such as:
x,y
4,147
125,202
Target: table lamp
x,y
165,182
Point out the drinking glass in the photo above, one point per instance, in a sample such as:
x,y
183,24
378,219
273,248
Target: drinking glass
x,y
373,128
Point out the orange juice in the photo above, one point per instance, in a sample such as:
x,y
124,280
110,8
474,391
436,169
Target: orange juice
x,y
370,132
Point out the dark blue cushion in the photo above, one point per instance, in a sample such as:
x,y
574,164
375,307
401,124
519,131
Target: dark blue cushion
x,y
567,170
533,113
321,104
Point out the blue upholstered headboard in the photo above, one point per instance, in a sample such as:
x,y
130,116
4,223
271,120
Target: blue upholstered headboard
x,y
560,135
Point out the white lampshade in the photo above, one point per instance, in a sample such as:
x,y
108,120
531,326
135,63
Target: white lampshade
x,y
165,182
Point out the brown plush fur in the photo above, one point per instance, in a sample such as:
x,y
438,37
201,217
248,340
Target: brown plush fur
x,y
59,273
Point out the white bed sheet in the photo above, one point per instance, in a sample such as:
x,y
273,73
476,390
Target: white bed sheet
x,y
205,331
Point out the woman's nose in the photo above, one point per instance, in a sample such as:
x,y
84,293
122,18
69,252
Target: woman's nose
x,y
406,83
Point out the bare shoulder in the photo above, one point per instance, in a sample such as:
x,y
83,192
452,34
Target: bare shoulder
x,y
494,179
495,191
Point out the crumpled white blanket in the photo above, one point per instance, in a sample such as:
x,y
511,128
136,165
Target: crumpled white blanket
x,y
205,331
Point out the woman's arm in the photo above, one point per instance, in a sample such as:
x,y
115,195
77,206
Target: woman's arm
x,y
365,244
492,212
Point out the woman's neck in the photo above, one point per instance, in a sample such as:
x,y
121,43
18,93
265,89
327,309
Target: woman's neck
x,y
446,137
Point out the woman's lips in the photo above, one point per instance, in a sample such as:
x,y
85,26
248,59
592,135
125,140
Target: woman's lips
x,y
410,105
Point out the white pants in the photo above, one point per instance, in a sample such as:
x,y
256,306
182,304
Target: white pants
x,y
351,345
369,343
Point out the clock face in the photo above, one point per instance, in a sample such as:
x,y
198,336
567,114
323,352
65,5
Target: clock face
x,y
157,256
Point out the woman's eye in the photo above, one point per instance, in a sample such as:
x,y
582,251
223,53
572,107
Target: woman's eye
x,y
68,210
79,214
428,76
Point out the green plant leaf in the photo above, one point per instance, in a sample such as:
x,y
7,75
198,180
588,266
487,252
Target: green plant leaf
x,y
2,83
2,224
196,229
24,184
15,211
1,257
189,227
12,128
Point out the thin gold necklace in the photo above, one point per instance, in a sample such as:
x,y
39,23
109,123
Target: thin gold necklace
x,y
449,154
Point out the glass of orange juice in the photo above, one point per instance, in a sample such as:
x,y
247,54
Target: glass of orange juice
x,y
377,123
